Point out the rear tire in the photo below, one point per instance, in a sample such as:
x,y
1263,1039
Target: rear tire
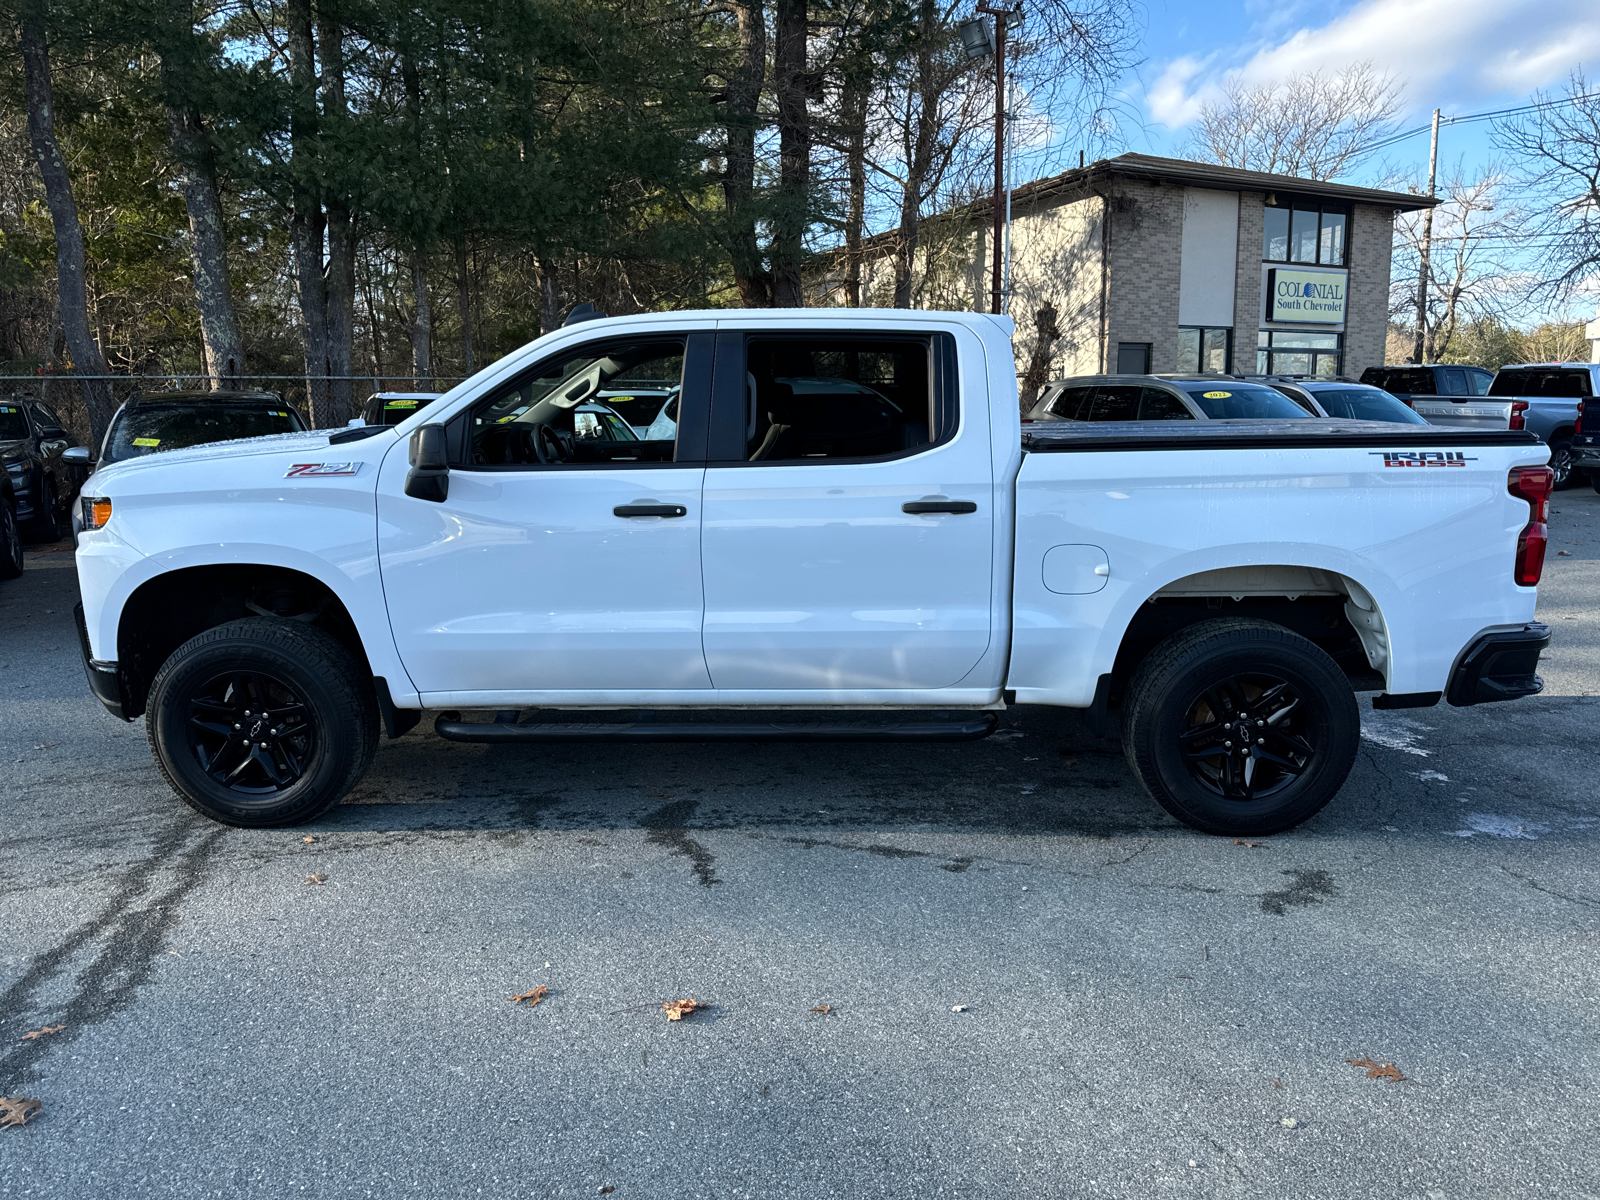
x,y
262,722
1240,728
11,560
1561,463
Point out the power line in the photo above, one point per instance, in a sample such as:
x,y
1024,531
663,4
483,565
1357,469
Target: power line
x,y
1468,118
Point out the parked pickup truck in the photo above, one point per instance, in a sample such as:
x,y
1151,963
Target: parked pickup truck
x,y
1540,397
846,537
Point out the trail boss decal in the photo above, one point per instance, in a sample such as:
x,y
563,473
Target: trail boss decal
x,y
1423,458
301,470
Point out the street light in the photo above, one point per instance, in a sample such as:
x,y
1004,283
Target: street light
x,y
976,39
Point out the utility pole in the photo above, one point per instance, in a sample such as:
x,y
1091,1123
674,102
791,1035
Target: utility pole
x,y
1420,345
975,36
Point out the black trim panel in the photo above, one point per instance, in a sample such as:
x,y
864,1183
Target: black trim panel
x,y
1407,700
910,727
1499,666
396,721
105,684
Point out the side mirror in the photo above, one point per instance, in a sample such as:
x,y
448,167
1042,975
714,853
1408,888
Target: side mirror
x,y
76,454
429,477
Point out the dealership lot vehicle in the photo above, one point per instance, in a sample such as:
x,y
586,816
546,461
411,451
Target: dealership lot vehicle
x,y
158,422
1344,399
1161,398
846,523
390,408
1546,399
40,474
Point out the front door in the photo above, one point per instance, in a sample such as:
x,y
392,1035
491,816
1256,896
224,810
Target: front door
x,y
849,526
566,557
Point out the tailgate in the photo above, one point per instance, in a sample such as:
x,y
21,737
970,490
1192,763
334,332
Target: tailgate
x,y
1463,412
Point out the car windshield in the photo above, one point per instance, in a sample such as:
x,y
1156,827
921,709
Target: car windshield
x,y
152,428
13,423
1364,404
1562,385
1225,401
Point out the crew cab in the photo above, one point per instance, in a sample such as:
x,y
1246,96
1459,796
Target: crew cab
x,y
847,536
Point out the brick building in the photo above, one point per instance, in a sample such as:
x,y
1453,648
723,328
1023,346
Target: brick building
x,y
1159,264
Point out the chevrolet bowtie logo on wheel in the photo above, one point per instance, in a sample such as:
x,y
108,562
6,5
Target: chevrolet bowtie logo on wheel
x,y
1423,458
302,469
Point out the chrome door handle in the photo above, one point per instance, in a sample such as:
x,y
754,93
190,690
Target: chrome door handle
x,y
918,507
650,510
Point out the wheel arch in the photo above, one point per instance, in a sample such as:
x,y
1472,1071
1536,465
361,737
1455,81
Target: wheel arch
x,y
168,609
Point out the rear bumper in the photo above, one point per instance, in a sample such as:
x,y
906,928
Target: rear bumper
x,y
1499,666
104,682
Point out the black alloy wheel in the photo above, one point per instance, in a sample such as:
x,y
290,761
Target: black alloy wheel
x,y
1246,737
1561,463
1240,727
11,560
262,722
251,733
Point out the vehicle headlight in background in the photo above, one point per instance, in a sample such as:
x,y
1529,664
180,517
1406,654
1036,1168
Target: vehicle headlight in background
x,y
96,511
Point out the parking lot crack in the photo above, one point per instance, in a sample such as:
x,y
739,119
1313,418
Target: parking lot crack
x,y
1539,887
130,936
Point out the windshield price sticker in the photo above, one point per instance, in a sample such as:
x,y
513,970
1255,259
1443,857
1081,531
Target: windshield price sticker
x,y
147,441
307,470
1217,395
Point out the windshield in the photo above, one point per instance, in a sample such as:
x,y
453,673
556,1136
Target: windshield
x,y
151,428
1560,384
13,423
1364,404
1222,402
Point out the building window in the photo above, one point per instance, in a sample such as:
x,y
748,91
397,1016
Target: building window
x,y
1304,230
1133,358
1205,350
1291,352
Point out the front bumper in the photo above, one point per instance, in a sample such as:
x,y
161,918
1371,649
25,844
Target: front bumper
x,y
1499,666
104,681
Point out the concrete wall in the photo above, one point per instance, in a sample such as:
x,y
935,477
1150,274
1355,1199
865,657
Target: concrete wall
x,y
1367,305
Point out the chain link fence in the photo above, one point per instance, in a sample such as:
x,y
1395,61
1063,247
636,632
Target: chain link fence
x,y
63,393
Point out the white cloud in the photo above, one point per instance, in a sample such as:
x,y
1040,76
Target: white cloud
x,y
1442,51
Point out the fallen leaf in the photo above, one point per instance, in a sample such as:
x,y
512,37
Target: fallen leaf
x,y
47,745
1289,1123
39,1033
15,1110
308,839
824,1009
1377,1071
319,880
533,997
1252,845
1278,1083
607,1190
677,1010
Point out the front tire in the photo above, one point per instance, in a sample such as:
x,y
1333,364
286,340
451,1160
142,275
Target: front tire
x,y
1240,728
262,722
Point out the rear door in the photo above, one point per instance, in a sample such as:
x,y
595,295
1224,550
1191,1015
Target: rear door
x,y
849,511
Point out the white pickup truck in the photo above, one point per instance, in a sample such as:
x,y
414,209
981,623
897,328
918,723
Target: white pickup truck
x,y
842,534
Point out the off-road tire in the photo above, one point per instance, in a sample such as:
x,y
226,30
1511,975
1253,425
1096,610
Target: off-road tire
x,y
11,559
1170,687
339,711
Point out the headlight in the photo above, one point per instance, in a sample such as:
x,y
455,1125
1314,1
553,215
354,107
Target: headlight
x,y
96,511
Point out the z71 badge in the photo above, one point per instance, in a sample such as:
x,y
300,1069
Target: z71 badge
x,y
301,470
1423,458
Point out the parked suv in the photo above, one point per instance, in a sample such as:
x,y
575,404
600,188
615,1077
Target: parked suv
x,y
33,441
1161,398
153,422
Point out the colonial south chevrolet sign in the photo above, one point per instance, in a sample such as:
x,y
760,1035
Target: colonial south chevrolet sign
x,y
1295,295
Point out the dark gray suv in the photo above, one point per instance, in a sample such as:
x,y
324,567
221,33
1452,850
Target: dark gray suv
x,y
1162,398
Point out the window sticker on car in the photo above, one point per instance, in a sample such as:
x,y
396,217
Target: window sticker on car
x,y
401,404
147,441
1217,395
302,470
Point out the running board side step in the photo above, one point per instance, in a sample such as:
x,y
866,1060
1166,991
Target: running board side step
x,y
967,728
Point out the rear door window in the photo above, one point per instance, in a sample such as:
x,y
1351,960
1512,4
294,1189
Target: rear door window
x,y
1480,382
1115,402
1158,404
1072,404
1552,383
1453,382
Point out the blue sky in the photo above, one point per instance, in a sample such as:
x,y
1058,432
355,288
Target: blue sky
x,y
1463,56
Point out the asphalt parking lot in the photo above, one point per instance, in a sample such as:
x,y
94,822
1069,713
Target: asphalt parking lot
x,y
1036,983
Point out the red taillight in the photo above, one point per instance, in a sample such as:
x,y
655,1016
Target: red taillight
x,y
1577,426
1518,421
1533,484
